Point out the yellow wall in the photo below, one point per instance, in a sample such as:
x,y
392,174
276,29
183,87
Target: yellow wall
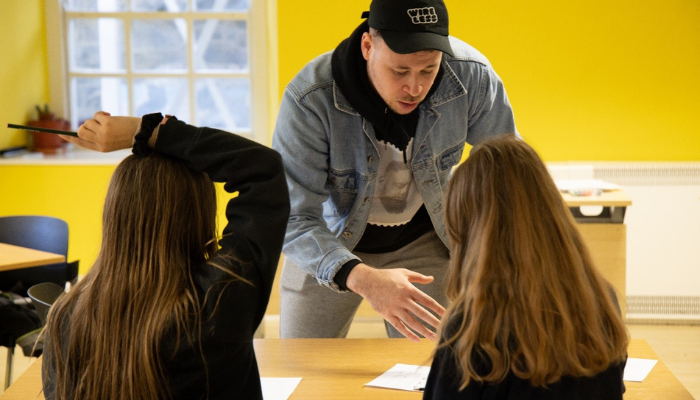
x,y
23,77
588,81
73,193
594,80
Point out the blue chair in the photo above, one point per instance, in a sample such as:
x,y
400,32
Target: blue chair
x,y
40,233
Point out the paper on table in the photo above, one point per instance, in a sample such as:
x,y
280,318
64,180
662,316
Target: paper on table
x,y
413,377
637,369
566,185
403,377
278,388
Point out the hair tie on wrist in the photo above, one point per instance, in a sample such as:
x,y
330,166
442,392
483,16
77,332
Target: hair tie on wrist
x,y
149,122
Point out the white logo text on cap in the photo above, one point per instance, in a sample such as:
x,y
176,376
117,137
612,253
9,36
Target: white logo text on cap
x,y
425,15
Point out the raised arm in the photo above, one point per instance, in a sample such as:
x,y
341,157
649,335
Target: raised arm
x,y
257,217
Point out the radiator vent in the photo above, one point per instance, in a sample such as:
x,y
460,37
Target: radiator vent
x,y
663,310
649,174
664,305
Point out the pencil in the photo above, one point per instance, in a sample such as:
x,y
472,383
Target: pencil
x,y
47,130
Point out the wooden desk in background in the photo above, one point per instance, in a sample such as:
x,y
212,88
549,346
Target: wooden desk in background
x,y
15,257
605,235
339,368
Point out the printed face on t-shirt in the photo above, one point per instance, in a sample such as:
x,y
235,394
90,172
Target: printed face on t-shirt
x,y
396,198
393,187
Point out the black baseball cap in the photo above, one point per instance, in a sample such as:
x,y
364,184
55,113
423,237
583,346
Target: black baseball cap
x,y
408,26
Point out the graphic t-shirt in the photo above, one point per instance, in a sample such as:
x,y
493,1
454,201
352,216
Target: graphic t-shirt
x,y
396,197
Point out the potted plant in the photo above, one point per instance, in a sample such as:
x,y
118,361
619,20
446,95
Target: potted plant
x,y
48,143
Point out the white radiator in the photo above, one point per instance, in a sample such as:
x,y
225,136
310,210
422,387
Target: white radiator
x,y
663,235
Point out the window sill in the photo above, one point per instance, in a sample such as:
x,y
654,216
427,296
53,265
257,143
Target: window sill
x,y
75,156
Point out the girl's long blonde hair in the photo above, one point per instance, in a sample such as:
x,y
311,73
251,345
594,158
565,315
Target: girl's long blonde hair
x,y
158,224
525,295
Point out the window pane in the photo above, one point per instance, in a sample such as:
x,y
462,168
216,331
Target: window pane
x,y
89,95
220,44
96,44
159,5
95,5
166,95
222,5
223,103
159,45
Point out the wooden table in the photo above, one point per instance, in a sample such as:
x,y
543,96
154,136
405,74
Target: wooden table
x,y
614,203
339,368
606,236
15,257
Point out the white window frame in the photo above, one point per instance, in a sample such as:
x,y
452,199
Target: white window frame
x,y
262,56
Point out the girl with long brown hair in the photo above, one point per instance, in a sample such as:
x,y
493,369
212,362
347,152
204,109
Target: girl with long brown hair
x,y
530,316
168,311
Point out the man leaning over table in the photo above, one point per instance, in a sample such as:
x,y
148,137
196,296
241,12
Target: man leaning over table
x,y
368,135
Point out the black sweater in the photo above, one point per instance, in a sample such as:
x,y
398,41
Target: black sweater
x,y
257,220
444,382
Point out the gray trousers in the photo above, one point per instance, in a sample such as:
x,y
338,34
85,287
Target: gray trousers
x,y
309,310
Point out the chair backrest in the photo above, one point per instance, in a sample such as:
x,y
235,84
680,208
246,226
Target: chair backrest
x,y
35,232
40,233
43,296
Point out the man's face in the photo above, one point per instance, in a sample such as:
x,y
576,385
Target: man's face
x,y
402,80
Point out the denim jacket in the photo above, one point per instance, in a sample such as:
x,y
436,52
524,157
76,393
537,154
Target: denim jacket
x,y
331,161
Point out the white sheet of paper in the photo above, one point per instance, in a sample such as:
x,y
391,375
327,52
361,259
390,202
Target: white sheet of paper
x,y
413,377
566,185
637,369
278,388
403,377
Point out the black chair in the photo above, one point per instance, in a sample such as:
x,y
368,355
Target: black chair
x,y
40,233
43,296
19,325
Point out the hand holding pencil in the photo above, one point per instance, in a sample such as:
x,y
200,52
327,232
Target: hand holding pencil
x,y
102,133
38,129
106,133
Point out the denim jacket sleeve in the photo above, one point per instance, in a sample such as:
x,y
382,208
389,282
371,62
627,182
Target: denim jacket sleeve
x,y
301,138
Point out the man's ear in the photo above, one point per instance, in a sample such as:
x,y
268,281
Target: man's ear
x,y
366,45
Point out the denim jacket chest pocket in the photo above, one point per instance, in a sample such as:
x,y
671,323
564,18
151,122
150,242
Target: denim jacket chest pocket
x,y
344,187
450,157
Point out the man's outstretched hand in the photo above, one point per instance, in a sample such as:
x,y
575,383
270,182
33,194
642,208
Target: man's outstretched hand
x,y
392,294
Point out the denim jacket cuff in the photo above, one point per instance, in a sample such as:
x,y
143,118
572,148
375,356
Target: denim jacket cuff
x,y
331,264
